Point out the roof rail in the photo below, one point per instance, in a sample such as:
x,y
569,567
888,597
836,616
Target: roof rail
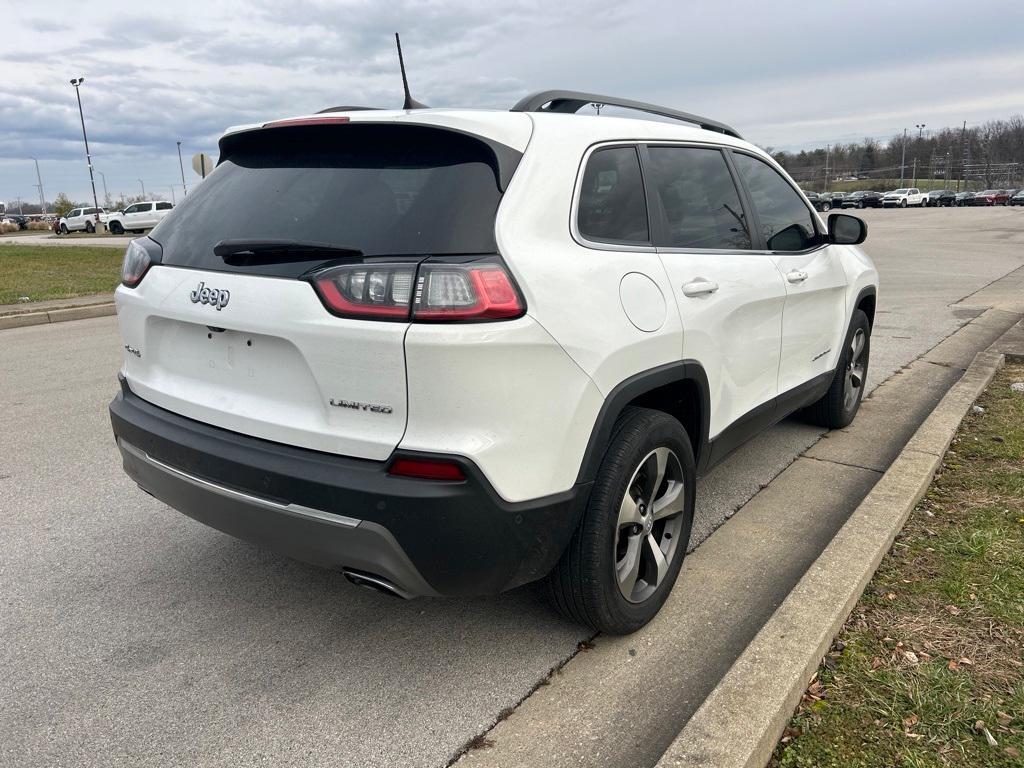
x,y
573,101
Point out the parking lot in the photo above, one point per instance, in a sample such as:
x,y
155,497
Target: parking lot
x,y
135,636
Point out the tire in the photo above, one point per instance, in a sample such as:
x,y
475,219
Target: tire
x,y
839,405
592,583
89,227
116,228
903,203
860,204
64,229
826,207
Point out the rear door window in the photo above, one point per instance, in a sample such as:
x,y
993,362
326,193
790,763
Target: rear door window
x,y
699,199
612,204
786,221
384,190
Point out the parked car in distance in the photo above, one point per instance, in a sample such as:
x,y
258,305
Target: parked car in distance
x,y
836,198
138,217
16,218
932,199
903,197
819,201
991,197
82,220
1017,199
947,198
410,395
863,199
964,198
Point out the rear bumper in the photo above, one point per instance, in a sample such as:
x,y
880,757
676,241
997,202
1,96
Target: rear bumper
x,y
422,537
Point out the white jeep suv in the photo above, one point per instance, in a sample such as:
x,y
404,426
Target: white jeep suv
x,y
450,352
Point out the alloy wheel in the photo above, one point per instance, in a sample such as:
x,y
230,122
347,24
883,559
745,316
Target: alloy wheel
x,y
855,369
648,529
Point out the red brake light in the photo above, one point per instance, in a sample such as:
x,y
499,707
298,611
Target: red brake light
x,y
307,121
141,254
427,469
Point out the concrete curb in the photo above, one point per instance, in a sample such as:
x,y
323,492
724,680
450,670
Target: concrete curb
x,y
57,315
741,721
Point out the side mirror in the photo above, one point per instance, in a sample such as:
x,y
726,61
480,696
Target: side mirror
x,y
844,229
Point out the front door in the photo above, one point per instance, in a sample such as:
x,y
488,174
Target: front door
x,y
815,315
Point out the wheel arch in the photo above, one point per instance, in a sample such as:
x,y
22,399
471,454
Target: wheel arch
x,y
679,389
866,303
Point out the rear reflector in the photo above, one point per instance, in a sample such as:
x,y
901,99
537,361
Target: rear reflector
x,y
426,469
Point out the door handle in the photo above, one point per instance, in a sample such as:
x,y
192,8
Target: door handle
x,y
796,276
699,288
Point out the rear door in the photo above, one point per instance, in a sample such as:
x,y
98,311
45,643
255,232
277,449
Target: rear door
x,y
730,297
815,282
243,341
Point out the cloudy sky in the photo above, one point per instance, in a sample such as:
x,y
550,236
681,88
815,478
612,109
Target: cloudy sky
x,y
787,74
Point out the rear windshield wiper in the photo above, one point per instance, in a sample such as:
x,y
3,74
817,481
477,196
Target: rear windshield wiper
x,y
227,248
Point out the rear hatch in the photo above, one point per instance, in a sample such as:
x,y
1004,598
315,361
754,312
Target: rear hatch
x,y
228,328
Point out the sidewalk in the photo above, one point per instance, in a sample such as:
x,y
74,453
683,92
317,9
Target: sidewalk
x,y
56,310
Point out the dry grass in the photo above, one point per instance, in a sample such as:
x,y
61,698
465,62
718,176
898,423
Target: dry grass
x,y
929,669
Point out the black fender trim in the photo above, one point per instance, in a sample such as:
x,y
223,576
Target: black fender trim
x,y
630,389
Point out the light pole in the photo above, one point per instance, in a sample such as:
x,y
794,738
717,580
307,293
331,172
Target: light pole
x,y
920,130
182,167
76,82
105,193
903,158
39,186
143,187
173,201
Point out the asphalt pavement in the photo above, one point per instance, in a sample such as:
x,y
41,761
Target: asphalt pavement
x,y
131,635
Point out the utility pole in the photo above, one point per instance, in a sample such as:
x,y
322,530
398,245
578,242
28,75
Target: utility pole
x,y
182,167
143,188
173,201
828,148
903,158
76,82
104,177
963,153
917,150
39,186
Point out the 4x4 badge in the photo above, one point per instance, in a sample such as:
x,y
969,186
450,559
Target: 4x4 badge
x,y
212,296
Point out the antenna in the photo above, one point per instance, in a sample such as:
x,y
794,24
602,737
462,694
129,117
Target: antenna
x,y
410,102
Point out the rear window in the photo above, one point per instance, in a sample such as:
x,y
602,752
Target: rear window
x,y
385,190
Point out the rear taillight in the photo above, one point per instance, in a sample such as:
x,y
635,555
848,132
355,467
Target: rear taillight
x,y
465,292
431,292
369,291
140,256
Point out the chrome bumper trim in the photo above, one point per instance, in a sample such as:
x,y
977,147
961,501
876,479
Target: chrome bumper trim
x,y
296,510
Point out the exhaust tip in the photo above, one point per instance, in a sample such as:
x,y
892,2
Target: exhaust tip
x,y
376,583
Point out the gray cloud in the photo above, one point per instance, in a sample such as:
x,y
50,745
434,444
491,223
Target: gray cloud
x,y
785,73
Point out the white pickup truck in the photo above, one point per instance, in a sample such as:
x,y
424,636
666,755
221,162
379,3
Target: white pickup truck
x,y
138,216
81,220
901,198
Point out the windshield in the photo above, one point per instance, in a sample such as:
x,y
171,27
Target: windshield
x,y
900,192
384,190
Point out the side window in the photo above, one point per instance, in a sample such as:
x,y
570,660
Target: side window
x,y
785,219
131,209
701,204
74,213
612,203
163,206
